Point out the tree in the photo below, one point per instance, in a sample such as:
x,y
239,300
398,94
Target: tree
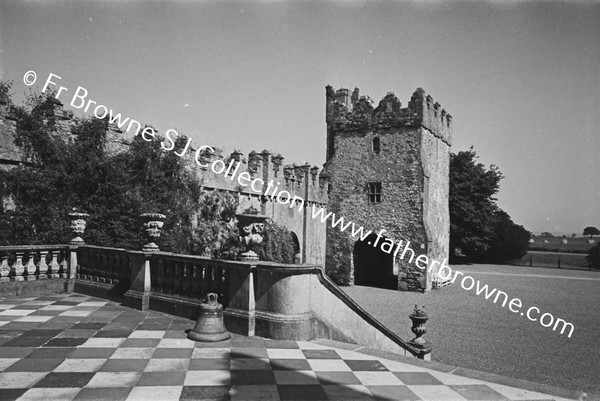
x,y
472,203
78,172
115,189
216,234
593,256
478,227
277,245
547,234
510,240
591,231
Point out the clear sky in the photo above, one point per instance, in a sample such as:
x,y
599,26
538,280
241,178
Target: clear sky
x,y
522,80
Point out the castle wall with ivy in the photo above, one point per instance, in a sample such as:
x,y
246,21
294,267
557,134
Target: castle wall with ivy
x,y
412,165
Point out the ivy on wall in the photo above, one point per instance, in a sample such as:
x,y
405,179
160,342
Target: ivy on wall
x,y
67,170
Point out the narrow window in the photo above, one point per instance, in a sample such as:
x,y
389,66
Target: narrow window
x,y
374,192
376,145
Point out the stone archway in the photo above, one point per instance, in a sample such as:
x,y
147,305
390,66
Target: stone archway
x,y
297,254
372,266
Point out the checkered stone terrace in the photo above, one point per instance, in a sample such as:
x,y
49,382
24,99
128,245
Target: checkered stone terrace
x,y
74,347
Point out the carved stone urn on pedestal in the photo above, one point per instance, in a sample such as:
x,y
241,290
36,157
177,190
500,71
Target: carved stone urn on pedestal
x,y
419,318
251,233
78,223
153,223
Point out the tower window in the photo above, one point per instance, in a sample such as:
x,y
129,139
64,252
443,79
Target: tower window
x,y
376,145
374,192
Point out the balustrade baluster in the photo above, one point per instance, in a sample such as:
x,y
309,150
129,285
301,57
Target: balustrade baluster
x,y
119,267
123,268
213,286
105,267
203,281
110,267
220,285
160,275
177,278
64,265
54,266
30,267
101,267
4,269
91,263
113,268
43,266
168,285
195,282
18,267
187,287
83,260
96,266
225,287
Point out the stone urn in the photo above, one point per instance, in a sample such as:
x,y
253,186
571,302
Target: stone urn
x,y
251,233
419,318
153,224
78,223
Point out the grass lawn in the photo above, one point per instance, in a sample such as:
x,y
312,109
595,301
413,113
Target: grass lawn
x,y
550,259
469,331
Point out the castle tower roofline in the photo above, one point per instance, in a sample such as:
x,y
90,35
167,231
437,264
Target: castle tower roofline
x,y
357,113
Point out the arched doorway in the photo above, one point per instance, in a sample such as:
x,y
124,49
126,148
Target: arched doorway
x,y
372,266
297,254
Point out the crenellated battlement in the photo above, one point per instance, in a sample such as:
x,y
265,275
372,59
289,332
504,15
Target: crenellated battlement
x,y
345,112
301,181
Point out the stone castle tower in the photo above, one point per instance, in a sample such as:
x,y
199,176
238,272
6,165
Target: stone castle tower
x,y
387,168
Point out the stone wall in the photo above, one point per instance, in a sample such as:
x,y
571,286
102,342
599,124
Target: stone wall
x,y
10,154
411,165
435,158
301,182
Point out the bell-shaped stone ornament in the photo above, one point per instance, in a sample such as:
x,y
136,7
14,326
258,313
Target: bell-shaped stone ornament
x,y
209,326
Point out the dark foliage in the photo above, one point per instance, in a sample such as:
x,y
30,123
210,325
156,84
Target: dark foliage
x,y
472,203
478,227
591,231
593,257
78,172
510,241
277,245
216,234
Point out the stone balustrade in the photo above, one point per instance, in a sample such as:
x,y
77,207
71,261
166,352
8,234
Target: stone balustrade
x,y
33,263
279,301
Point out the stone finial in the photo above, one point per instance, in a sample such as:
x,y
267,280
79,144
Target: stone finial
x,y
78,223
153,224
419,318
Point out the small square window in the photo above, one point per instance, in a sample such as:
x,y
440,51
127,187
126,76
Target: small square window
x,y
374,192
